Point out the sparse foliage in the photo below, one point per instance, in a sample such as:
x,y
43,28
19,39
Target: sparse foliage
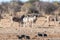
x,y
31,1
35,5
50,8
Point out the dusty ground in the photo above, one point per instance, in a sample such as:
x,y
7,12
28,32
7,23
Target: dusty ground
x,y
9,30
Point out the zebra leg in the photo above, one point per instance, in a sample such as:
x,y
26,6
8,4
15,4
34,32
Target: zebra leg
x,y
24,24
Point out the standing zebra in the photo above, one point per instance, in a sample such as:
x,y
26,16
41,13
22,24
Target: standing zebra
x,y
29,20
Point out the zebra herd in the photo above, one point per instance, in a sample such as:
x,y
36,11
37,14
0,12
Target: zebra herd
x,y
25,19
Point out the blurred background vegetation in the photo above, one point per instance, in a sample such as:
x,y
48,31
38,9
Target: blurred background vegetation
x,y
15,6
